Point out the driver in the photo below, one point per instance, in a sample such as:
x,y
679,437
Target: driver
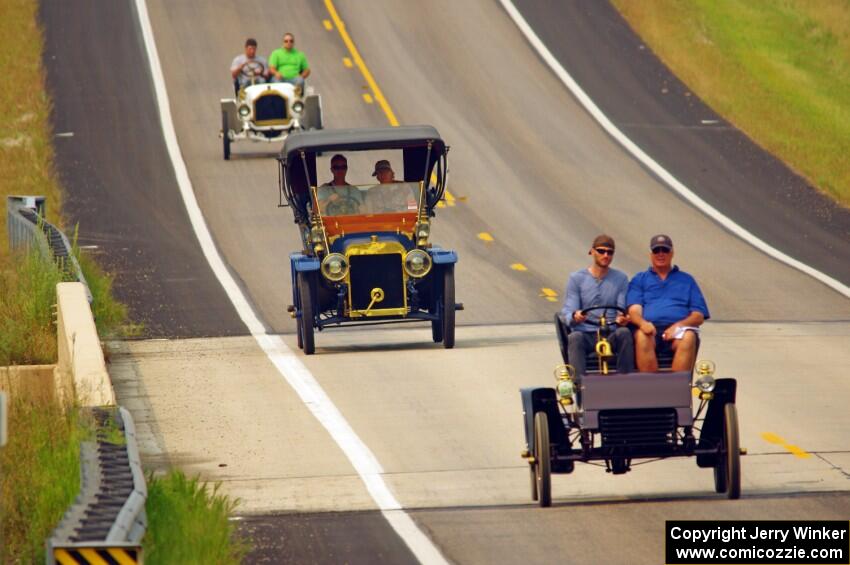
x,y
248,68
667,306
597,285
389,199
342,197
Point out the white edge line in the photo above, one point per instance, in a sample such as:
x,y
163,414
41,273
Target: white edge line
x,y
660,171
283,358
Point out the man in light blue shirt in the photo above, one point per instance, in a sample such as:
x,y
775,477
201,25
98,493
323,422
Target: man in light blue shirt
x,y
597,285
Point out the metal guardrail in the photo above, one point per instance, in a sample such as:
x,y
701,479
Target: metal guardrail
x,y
27,227
107,521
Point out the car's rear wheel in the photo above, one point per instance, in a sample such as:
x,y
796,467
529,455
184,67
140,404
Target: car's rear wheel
x,y
720,482
305,322
733,452
542,462
225,138
448,306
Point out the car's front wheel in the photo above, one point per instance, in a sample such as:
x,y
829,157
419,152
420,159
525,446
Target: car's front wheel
x,y
305,322
542,461
225,138
448,306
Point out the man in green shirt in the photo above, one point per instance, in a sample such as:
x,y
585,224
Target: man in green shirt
x,y
288,64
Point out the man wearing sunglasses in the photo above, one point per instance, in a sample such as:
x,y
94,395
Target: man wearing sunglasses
x,y
667,306
333,198
597,285
288,64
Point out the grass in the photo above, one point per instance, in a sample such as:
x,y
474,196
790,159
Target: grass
x,y
39,475
26,151
188,523
39,467
27,296
778,69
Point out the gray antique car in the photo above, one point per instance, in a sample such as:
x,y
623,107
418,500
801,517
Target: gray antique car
x,y
620,418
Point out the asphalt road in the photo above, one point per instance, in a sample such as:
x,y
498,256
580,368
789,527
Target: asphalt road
x,y
530,169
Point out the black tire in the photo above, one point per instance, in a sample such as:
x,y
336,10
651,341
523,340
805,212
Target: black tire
x,y
437,328
437,305
733,452
305,322
542,462
225,139
448,306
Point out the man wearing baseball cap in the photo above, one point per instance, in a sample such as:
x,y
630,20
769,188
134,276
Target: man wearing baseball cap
x,y
667,306
597,285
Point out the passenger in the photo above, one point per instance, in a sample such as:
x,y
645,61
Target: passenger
x,y
248,68
288,64
384,172
597,285
334,200
667,307
389,199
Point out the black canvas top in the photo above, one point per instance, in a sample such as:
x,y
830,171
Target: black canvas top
x,y
362,139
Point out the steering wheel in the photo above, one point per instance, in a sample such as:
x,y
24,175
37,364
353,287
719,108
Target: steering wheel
x,y
611,307
253,69
342,206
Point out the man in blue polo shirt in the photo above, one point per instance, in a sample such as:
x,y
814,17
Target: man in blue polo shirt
x,y
667,307
597,285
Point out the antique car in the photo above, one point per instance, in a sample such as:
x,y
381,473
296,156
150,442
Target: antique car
x,y
629,419
268,112
366,254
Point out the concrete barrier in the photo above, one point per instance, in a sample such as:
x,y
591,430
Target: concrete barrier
x,y
81,362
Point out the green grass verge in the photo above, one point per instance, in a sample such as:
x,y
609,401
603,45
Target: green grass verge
x,y
27,296
187,523
39,475
778,69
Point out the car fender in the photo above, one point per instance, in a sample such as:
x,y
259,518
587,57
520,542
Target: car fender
x,y
442,256
542,399
712,428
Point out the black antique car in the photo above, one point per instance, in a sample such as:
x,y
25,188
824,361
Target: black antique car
x,y
624,419
366,254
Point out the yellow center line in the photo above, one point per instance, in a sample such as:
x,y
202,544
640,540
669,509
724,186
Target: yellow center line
x,y
327,24
358,60
519,267
549,294
772,438
484,236
347,62
367,98
777,440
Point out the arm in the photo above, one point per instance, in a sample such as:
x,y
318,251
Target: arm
x,y
572,303
622,319
636,314
235,68
692,320
273,66
634,298
305,66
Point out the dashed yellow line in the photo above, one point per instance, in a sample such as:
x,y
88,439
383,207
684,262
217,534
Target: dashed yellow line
x,y
549,294
486,237
519,267
328,25
793,449
367,98
358,60
347,62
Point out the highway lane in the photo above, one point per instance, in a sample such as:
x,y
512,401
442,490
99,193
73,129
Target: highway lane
x,y
542,182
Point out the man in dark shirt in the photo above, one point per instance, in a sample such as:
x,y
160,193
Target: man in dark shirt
x,y
667,307
597,285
